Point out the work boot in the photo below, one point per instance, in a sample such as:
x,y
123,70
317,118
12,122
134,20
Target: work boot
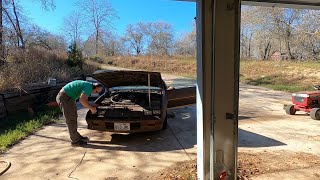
x,y
84,138
79,143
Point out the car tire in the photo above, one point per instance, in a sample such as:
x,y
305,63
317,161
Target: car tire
x,y
315,113
165,123
290,110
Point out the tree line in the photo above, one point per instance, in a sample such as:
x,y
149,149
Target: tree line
x,y
91,29
292,34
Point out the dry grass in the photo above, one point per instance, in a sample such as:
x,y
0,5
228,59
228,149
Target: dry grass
x,y
40,65
252,164
280,75
37,66
249,165
183,66
277,75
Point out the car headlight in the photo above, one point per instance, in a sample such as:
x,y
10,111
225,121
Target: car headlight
x,y
147,112
157,112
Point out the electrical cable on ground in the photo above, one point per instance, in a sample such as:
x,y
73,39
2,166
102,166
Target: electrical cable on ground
x,y
7,167
180,143
69,176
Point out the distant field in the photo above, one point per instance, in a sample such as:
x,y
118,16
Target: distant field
x,y
282,75
286,76
182,66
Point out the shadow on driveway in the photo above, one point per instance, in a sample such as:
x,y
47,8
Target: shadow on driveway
x,y
250,139
244,118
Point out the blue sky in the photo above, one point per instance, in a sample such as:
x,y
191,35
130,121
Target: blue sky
x,y
179,14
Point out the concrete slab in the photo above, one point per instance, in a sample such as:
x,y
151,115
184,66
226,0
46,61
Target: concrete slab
x,y
273,128
47,154
264,127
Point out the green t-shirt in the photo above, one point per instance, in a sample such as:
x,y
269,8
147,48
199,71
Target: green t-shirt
x,y
75,88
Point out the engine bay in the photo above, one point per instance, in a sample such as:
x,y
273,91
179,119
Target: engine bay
x,y
130,104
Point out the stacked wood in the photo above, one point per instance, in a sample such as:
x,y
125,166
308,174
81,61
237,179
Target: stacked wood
x,y
31,96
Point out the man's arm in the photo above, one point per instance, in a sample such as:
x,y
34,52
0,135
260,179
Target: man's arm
x,y
84,101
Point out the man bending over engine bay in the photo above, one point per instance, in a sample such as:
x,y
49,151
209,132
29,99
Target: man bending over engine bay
x,y
66,100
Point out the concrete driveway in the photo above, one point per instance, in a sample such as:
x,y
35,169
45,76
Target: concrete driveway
x,y
47,154
281,146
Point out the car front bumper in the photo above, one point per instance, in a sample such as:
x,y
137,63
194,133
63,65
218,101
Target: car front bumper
x,y
145,125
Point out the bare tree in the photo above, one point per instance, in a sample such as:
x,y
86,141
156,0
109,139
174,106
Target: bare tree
x,y
99,14
47,4
278,27
248,28
161,38
36,37
286,21
2,52
73,27
309,35
264,44
186,45
13,16
9,9
136,37
89,46
112,44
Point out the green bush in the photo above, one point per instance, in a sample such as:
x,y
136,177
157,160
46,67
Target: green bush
x,y
75,58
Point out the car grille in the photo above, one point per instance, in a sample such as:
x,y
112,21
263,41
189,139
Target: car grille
x,y
134,126
109,126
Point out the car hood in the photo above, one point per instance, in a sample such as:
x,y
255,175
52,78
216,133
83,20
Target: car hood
x,y
111,78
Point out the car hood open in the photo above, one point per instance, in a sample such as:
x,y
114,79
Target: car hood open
x,y
112,78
